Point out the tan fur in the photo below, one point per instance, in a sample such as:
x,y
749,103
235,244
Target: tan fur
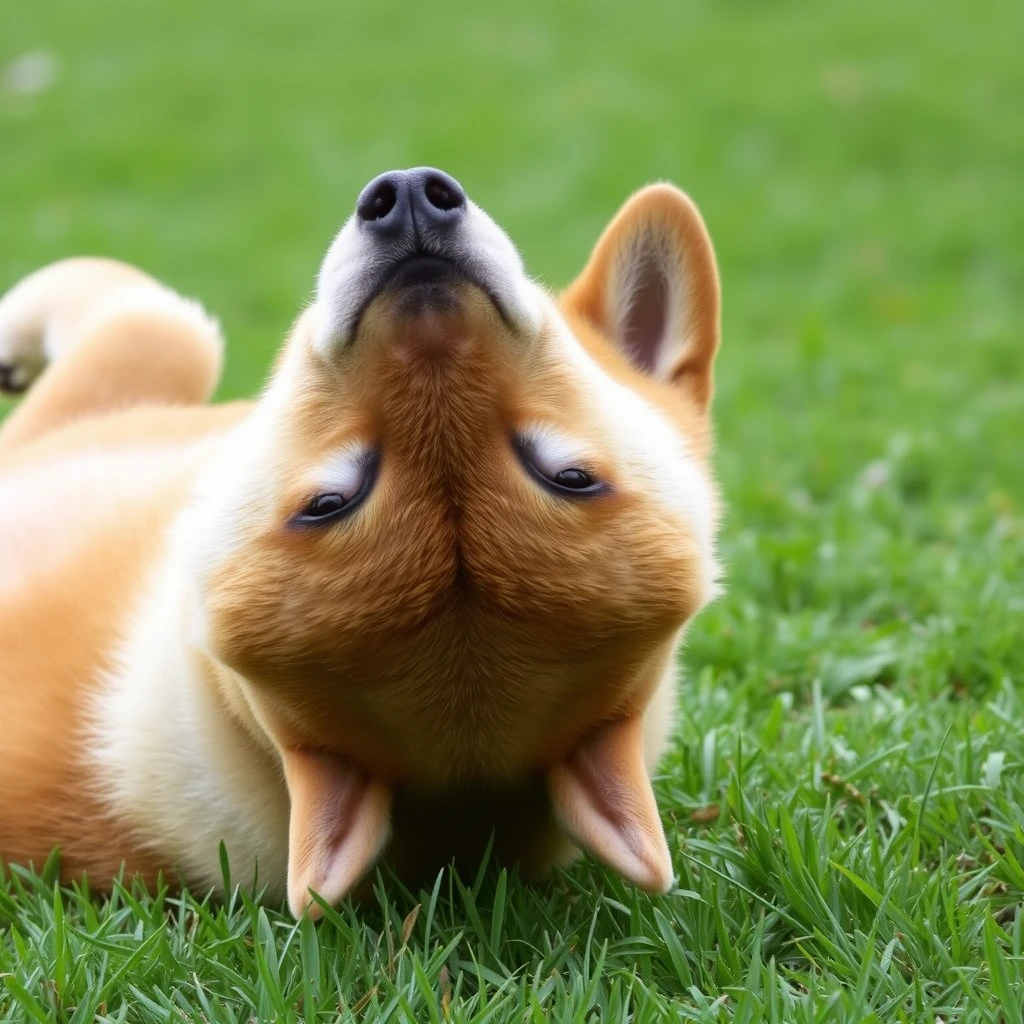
x,y
467,653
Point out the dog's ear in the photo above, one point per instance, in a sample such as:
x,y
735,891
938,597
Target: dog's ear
x,y
651,286
603,798
340,821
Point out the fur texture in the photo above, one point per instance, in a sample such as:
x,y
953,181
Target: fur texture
x,y
189,659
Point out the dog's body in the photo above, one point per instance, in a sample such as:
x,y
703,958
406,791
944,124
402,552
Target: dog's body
x,y
432,583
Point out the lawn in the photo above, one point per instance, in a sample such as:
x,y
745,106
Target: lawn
x,y
845,796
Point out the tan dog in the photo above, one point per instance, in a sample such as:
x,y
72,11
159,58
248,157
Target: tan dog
x,y
431,584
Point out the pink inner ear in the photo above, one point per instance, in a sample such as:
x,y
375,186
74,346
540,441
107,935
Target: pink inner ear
x,y
602,796
644,324
339,822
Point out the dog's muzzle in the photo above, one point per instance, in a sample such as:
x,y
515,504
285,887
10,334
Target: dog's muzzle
x,y
416,231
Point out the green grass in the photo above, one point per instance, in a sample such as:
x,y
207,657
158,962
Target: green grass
x,y
853,705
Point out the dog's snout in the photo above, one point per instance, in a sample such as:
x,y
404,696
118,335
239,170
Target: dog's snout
x,y
406,205
415,235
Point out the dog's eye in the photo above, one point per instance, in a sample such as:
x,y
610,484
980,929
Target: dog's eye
x,y
324,505
326,508
330,506
547,465
570,481
573,479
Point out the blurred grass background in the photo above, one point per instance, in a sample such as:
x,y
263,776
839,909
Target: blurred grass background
x,y
860,167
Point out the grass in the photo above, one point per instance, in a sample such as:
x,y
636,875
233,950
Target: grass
x,y
845,797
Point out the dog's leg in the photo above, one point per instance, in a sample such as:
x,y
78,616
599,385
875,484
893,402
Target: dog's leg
x,y
99,336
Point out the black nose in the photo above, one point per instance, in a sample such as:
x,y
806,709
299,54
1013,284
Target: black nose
x,y
417,204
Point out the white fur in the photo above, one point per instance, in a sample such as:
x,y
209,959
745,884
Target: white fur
x,y
343,473
554,450
172,756
235,492
661,712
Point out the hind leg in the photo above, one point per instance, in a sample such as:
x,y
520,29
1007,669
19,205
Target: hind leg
x,y
99,336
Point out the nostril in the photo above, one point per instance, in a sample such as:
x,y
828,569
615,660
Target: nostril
x,y
377,202
443,193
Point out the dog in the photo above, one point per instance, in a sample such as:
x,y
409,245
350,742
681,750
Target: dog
x,y
424,594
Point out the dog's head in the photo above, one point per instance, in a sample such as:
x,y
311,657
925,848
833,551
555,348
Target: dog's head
x,y
458,539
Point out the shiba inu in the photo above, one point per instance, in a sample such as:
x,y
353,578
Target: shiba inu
x,y
425,592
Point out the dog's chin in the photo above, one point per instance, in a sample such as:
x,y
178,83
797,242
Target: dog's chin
x,y
429,289
428,307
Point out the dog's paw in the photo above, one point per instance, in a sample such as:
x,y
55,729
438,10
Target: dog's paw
x,y
21,361
23,327
13,379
